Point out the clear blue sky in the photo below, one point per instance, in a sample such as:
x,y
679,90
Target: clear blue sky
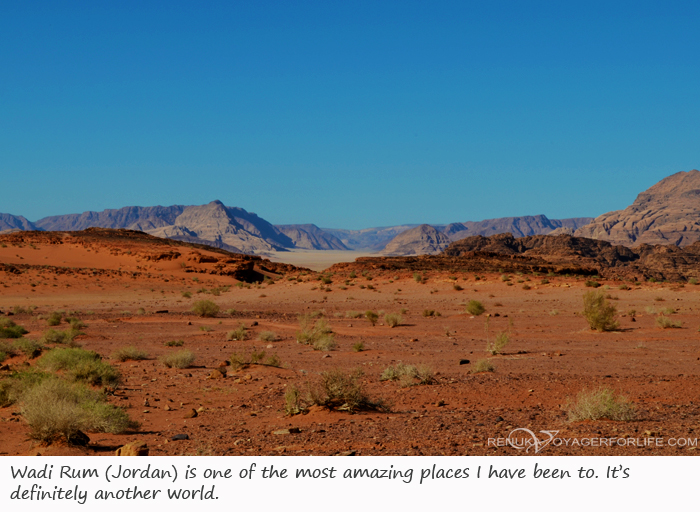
x,y
346,114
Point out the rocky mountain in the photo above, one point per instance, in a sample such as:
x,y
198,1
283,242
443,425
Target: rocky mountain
x,y
15,223
518,226
423,239
666,213
370,239
562,254
131,217
310,236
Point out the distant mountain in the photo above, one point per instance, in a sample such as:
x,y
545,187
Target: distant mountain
x,y
370,239
10,222
131,217
310,236
666,213
518,226
423,239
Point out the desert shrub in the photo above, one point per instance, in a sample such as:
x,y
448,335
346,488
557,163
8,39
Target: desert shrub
x,y
230,312
554,312
342,391
12,387
354,314
592,284
130,353
666,323
505,278
174,343
407,374
55,408
75,323
457,287
326,280
54,319
601,403
482,366
599,313
205,308
371,317
10,330
650,310
418,278
140,311
544,281
60,337
623,287
692,280
496,346
293,403
29,348
180,359
668,311
476,308
239,361
526,287
317,333
428,312
358,347
393,319
238,334
187,295
267,336
80,364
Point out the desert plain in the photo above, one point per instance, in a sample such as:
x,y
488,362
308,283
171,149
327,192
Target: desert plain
x,y
129,290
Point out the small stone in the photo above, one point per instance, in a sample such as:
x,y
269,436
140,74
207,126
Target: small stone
x,y
349,453
254,324
189,323
287,431
201,409
5,368
168,408
440,403
223,364
146,411
161,311
135,449
326,356
146,403
464,361
498,419
180,437
191,414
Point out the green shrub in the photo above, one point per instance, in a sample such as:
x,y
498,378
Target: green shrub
x,y
418,278
354,314
393,319
592,284
55,409
318,333
239,361
130,353
483,366
180,359
692,280
29,348
407,374
10,330
238,334
80,364
60,337
205,308
267,336
601,403
372,317
599,313
476,308
174,343
544,281
358,347
54,319
187,295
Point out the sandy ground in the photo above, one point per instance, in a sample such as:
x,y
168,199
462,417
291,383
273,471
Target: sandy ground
x,y
552,356
316,260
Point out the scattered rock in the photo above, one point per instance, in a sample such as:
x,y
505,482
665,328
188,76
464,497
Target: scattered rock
x,y
498,419
79,439
287,431
180,437
134,449
191,414
464,361
349,453
440,403
5,368
254,324
162,311
168,408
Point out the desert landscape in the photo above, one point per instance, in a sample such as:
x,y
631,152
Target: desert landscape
x,y
185,348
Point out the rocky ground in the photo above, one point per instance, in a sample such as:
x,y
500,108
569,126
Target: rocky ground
x,y
127,298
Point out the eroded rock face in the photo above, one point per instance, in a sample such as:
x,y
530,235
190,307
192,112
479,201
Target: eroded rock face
x,y
667,213
423,239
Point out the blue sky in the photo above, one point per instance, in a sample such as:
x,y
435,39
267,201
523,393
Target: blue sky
x,y
346,114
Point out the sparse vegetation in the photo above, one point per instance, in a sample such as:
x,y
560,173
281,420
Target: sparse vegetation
x,y
130,353
354,314
10,330
358,347
54,319
336,389
418,278
267,336
316,333
592,284
497,345
371,317
665,322
393,319
180,359
598,404
174,343
187,295
80,364
482,366
476,308
238,334
599,313
29,348
240,361
205,308
60,337
408,375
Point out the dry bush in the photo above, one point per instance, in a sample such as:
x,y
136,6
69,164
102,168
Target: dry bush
x,y
180,359
476,308
130,353
10,330
496,346
371,317
599,313
267,336
407,374
600,403
393,319
80,364
239,361
665,322
29,348
317,333
55,408
205,308
482,366
358,347
238,334
174,343
342,391
60,337
54,319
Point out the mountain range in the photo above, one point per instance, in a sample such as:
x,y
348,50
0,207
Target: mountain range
x,y
666,213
